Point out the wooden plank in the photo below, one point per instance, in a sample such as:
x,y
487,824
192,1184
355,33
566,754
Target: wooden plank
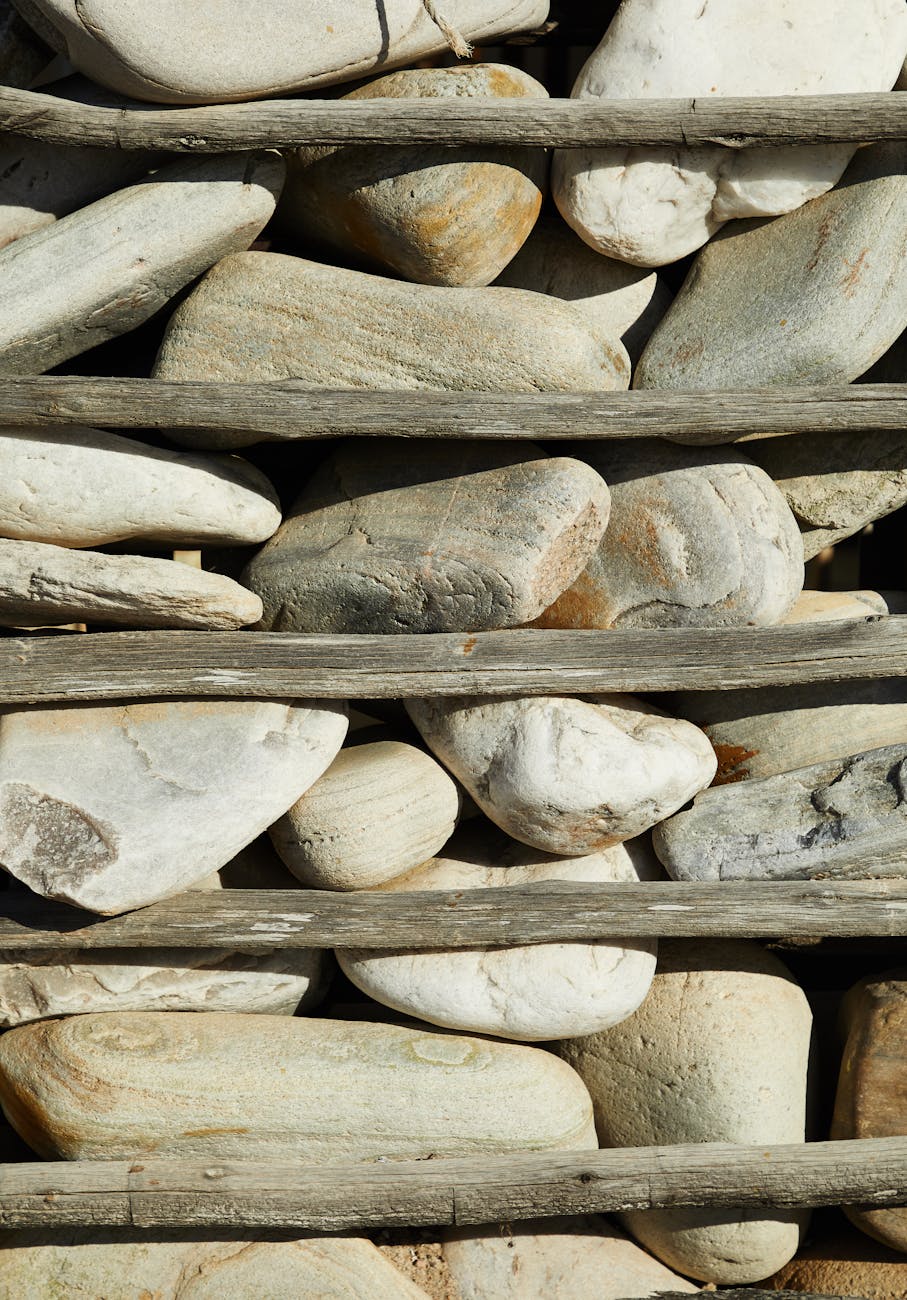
x,y
259,920
566,123
489,1189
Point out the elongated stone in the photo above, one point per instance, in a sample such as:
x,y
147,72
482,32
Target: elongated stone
x,y
830,606
227,1087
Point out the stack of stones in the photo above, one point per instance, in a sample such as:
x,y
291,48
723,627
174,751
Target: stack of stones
x,y
445,269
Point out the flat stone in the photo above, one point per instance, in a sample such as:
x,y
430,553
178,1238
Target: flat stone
x,y
429,213
22,53
77,486
112,807
226,1086
698,537
537,992
717,1052
812,298
379,810
392,536
651,206
568,776
830,606
147,242
844,1263
844,819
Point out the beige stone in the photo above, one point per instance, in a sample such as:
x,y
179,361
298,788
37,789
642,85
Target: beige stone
x,y
846,1263
829,606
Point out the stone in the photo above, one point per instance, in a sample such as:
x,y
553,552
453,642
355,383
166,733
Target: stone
x,y
843,819
623,301
77,486
568,776
171,55
651,206
328,838
718,1052
812,298
147,242
111,807
537,992
844,1262
22,53
429,213
228,1086
698,537
392,536
830,606
49,584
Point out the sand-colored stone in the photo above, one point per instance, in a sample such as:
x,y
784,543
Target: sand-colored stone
x,y
829,606
844,1263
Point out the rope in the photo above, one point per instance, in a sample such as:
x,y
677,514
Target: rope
x,y
460,46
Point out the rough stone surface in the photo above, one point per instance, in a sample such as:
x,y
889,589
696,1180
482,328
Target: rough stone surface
x,y
717,1053
22,53
844,1263
829,606
226,1086
812,298
113,807
147,242
843,819
568,776
538,992
391,536
651,206
380,809
697,538
431,214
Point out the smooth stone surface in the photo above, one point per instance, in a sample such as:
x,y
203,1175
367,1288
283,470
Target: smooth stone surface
x,y
830,606
537,992
171,54
393,536
651,206
698,537
812,298
717,1053
113,807
77,486
568,776
227,1086
844,820
147,242
844,1263
433,214
622,301
379,810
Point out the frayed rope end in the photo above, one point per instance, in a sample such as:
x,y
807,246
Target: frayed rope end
x,y
457,42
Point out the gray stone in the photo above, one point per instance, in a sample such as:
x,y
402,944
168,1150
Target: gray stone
x,y
22,53
391,536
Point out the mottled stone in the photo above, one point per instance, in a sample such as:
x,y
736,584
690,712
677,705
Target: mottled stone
x,y
844,1263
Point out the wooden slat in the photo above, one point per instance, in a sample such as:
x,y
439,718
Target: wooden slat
x,y
489,1189
567,123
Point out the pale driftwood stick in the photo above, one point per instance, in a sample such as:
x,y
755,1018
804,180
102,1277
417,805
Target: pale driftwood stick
x,y
259,920
567,123
252,413
149,1193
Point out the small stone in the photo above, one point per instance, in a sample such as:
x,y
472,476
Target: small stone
x,y
844,1263
830,606
379,810
718,1052
698,537
568,776
429,213
390,536
227,1086
844,819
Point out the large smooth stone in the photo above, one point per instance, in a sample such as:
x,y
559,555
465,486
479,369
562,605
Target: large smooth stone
x,y
87,487
537,992
568,776
112,807
844,1263
146,243
22,53
717,1053
390,536
649,206
226,1086
328,838
429,213
812,298
844,819
697,538
174,55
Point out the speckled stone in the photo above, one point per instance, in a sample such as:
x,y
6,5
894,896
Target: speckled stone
x,y
844,1263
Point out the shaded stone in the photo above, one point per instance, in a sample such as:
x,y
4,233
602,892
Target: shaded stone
x,y
22,53
844,1263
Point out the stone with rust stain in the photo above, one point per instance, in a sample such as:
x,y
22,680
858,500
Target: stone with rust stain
x,y
842,1262
429,213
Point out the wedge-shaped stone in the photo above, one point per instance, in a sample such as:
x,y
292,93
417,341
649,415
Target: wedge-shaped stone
x,y
830,606
422,537
568,776
113,807
227,1087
